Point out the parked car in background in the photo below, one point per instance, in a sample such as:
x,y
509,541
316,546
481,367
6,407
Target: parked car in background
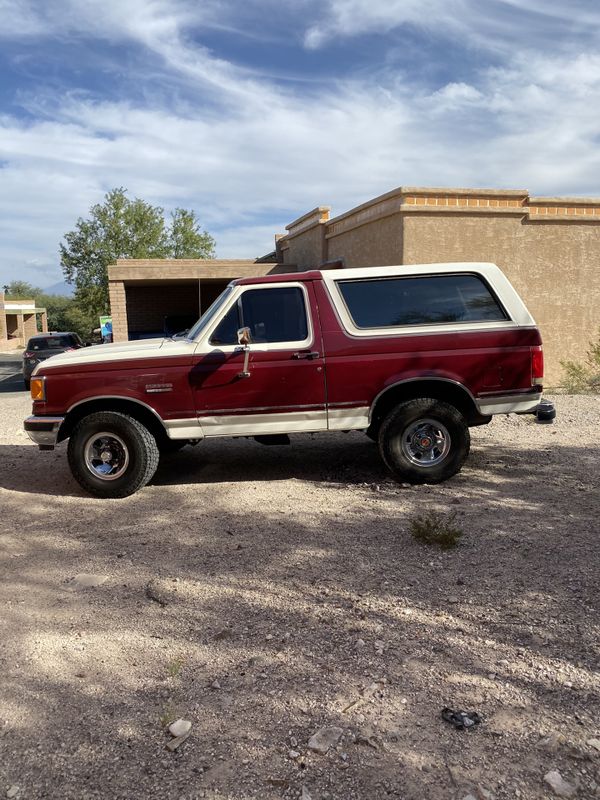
x,y
41,347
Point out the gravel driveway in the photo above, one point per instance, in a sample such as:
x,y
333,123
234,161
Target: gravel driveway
x,y
265,593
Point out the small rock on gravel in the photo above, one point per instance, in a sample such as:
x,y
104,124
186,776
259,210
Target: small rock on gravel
x,y
559,785
595,743
178,740
180,727
13,791
86,581
324,739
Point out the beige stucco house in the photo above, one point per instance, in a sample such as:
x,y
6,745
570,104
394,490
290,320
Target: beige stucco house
x,y
548,246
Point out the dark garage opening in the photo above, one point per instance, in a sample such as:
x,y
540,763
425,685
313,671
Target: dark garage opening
x,y
161,309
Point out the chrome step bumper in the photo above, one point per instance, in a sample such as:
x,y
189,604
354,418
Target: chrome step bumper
x,y
43,430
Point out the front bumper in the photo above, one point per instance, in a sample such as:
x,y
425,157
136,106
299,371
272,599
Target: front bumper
x,y
43,430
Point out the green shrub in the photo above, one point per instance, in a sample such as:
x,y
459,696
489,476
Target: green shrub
x,y
583,378
437,529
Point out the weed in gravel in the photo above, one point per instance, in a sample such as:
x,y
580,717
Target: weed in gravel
x,y
168,715
437,529
174,667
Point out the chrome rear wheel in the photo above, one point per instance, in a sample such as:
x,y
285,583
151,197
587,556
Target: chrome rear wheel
x,y
424,440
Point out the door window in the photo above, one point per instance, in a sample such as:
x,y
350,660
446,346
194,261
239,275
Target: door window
x,y
273,315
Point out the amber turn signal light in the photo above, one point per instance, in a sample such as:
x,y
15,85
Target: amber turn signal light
x,y
38,389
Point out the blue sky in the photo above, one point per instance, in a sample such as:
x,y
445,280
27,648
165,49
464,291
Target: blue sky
x,y
252,113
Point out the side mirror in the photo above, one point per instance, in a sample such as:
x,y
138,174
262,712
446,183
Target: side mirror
x,y
244,336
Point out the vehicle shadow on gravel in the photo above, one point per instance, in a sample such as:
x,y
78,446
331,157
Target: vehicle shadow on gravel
x,y
263,622
23,468
352,460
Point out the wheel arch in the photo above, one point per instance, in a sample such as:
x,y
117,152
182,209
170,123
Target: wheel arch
x,y
449,391
124,405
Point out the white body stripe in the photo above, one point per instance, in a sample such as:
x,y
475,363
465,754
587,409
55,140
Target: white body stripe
x,y
348,419
261,424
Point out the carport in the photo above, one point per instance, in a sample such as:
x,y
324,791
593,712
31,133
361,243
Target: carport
x,y
151,297
19,321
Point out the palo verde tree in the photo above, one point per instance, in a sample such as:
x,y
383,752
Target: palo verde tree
x,y
124,228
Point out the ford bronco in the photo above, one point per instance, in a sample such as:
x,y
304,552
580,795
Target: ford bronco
x,y
413,355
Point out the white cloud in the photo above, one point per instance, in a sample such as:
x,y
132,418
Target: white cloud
x,y
498,26
353,17
250,156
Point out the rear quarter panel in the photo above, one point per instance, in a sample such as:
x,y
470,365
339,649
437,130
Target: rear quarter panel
x,y
485,361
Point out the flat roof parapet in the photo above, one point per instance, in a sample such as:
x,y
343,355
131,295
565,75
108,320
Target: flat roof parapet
x,y
318,216
169,269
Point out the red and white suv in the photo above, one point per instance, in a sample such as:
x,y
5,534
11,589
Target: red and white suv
x,y
414,355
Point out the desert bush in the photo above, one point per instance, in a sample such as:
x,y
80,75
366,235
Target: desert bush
x,y
435,528
582,378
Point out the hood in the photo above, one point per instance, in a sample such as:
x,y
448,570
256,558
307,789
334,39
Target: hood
x,y
120,351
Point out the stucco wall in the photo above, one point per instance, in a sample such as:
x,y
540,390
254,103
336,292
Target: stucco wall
x,y
378,243
548,246
305,249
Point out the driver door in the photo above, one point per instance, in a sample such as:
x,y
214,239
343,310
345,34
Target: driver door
x,y
283,389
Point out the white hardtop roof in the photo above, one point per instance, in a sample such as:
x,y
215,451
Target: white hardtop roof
x,y
483,267
517,311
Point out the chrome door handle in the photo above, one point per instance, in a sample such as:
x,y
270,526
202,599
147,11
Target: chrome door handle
x,y
306,354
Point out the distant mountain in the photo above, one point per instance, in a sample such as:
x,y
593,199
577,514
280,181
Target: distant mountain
x,y
62,288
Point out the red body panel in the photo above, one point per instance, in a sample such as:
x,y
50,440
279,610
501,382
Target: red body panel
x,y
485,362
127,379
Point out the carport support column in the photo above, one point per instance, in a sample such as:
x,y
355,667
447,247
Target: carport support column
x,y
21,328
3,330
118,310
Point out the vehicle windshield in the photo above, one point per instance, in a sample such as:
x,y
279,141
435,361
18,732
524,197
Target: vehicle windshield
x,y
51,343
209,314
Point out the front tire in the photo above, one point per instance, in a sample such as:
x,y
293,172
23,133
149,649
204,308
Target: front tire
x,y
424,441
112,454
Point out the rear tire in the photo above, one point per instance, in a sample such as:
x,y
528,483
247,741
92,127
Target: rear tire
x,y
27,384
112,454
424,441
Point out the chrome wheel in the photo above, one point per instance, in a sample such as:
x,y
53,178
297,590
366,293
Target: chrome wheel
x,y
106,456
426,442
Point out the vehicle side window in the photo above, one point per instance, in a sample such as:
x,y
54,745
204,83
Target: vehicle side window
x,y
273,315
226,330
422,300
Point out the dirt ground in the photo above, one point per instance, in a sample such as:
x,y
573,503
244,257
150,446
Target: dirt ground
x,y
263,593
